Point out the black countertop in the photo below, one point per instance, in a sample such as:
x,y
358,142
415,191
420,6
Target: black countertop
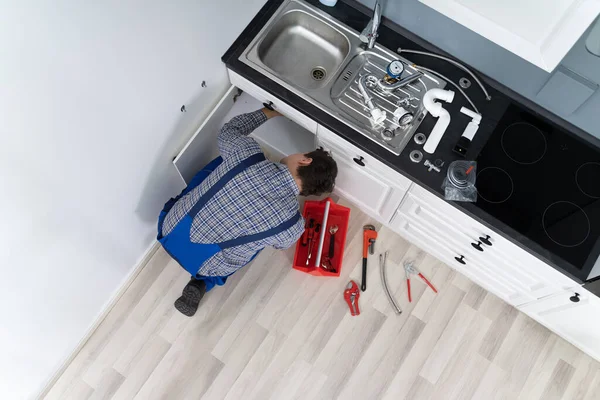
x,y
392,36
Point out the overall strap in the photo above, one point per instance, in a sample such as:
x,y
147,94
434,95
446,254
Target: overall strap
x,y
261,235
229,175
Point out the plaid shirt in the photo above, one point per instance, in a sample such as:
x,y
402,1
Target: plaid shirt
x,y
258,199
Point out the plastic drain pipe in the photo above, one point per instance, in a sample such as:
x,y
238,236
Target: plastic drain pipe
x,y
436,110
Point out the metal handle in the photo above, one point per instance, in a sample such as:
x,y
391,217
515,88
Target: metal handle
x,y
269,106
486,240
575,298
359,161
331,246
477,246
363,285
461,259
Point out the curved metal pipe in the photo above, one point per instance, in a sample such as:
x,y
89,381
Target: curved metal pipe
x,y
377,114
367,98
382,263
453,62
401,83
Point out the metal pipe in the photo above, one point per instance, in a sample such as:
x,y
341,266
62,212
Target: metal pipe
x,y
451,61
401,83
382,264
377,114
367,98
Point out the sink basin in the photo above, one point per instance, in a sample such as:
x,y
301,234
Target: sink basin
x,y
320,60
303,50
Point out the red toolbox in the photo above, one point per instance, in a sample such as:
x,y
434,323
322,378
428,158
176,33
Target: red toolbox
x,y
316,241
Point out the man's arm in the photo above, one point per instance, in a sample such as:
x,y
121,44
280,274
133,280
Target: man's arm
x,y
234,134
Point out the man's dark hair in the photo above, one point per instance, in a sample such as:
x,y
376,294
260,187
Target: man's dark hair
x,y
319,176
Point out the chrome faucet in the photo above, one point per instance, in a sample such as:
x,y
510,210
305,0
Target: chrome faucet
x,y
369,34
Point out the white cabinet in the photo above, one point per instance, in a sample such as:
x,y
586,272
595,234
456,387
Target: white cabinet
x,y
540,31
578,322
365,181
278,137
500,267
416,220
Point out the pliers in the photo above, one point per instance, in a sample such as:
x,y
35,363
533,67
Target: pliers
x,y
410,269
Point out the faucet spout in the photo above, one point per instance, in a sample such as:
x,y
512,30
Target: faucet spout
x,y
369,34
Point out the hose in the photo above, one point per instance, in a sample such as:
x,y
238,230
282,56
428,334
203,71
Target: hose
x,y
455,85
382,262
451,61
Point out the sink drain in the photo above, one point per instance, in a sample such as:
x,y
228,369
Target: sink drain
x,y
318,73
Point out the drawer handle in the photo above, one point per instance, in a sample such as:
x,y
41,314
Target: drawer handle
x,y
477,246
461,259
359,161
575,298
269,106
486,240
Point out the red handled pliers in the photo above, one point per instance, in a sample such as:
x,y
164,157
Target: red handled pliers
x,y
410,269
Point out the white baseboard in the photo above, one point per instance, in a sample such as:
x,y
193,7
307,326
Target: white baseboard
x,y
119,292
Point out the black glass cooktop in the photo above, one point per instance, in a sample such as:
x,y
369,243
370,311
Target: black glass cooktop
x,y
544,183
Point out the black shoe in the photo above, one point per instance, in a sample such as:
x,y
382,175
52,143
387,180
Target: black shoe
x,y
192,293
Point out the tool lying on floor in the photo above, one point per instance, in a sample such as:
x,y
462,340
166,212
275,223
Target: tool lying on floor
x,y
410,269
369,237
382,269
351,295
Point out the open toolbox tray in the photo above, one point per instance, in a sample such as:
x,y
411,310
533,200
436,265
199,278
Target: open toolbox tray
x,y
326,216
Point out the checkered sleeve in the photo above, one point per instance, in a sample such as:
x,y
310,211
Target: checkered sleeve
x,y
233,136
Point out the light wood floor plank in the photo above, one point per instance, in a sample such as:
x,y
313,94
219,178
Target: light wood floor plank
x,y
275,333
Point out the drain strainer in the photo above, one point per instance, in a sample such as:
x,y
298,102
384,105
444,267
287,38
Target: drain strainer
x,y
318,73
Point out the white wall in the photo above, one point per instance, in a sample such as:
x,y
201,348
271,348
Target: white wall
x,y
90,94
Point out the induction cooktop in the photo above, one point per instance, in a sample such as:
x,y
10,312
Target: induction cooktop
x,y
544,183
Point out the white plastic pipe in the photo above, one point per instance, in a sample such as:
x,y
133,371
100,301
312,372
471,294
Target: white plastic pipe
x,y
436,110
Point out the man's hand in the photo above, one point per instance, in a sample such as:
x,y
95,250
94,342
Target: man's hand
x,y
270,113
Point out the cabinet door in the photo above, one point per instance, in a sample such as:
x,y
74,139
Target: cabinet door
x,y
278,137
362,186
578,322
539,31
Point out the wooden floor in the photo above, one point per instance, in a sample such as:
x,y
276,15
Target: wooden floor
x,y
275,333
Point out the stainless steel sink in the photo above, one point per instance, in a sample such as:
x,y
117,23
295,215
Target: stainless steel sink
x,y
320,59
303,50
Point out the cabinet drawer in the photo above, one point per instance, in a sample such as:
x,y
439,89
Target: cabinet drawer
x,y
431,243
376,167
529,284
264,97
502,248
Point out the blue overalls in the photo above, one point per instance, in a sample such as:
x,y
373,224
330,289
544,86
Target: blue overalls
x,y
191,256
